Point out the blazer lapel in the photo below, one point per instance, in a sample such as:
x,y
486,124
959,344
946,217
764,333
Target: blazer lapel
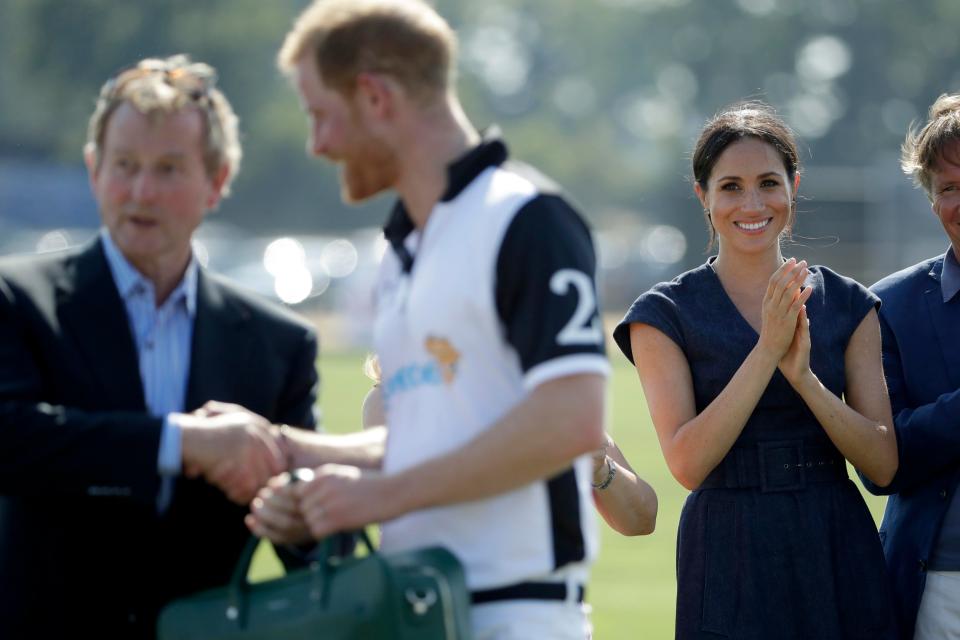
x,y
93,316
218,355
945,317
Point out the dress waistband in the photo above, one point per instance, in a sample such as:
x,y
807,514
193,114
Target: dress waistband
x,y
783,465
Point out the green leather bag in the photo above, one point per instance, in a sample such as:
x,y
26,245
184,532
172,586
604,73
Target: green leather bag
x,y
418,595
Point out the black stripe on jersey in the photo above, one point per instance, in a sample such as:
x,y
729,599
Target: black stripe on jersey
x,y
547,237
568,543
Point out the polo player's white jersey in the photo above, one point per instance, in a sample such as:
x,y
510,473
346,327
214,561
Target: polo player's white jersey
x,y
494,297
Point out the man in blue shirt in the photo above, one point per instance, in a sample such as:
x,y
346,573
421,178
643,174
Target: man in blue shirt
x,y
920,322
103,349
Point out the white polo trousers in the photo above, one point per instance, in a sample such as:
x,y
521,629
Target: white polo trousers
x,y
529,619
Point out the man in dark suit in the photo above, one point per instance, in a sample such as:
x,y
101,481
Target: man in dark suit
x,y
920,322
104,515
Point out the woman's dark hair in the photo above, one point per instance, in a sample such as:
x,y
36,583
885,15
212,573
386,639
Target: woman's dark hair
x,y
750,119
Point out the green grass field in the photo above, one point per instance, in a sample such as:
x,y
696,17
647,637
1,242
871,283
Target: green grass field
x,y
632,589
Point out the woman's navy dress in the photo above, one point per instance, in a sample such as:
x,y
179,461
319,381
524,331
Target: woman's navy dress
x,y
777,542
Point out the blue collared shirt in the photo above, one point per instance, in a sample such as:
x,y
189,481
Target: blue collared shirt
x,y
950,277
163,337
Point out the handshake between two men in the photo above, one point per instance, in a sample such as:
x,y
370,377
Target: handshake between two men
x,y
251,461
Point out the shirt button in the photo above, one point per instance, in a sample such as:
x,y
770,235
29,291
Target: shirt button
x,y
943,493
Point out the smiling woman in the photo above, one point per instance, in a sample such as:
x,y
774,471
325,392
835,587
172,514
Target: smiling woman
x,y
752,190
743,363
764,165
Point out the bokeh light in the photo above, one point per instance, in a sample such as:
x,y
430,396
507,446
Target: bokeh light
x,y
55,240
283,255
339,258
294,285
665,244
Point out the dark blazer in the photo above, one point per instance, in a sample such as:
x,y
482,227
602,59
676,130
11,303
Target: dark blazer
x,y
82,548
921,361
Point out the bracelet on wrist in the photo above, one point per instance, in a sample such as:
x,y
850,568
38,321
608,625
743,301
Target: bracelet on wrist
x,y
611,473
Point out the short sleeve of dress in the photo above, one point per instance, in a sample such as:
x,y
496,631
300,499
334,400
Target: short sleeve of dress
x,y
656,309
859,300
863,301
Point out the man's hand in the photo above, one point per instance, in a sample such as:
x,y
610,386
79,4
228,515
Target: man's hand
x,y
342,498
275,513
236,450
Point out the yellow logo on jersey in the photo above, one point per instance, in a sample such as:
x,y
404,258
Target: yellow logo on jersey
x,y
445,355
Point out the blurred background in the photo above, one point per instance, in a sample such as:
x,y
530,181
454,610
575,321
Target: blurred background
x,y
605,96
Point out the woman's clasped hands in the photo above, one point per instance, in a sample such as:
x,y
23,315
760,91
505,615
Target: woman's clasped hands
x,y
785,332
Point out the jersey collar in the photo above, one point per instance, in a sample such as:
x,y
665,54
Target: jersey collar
x,y
491,152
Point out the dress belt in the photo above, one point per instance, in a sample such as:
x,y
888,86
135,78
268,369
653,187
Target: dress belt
x,y
782,465
526,591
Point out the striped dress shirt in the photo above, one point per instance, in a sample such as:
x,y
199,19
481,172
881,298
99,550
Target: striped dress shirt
x,y
163,336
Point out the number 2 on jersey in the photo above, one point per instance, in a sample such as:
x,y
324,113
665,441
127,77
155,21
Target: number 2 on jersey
x,y
583,326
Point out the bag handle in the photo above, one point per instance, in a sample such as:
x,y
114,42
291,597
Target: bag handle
x,y
319,565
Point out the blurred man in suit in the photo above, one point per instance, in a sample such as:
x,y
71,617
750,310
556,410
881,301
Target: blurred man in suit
x,y
103,514
920,322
